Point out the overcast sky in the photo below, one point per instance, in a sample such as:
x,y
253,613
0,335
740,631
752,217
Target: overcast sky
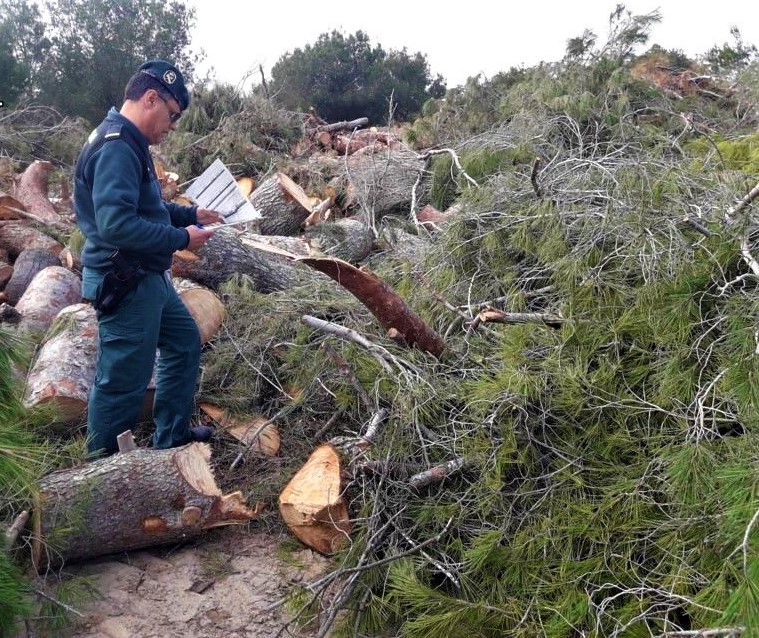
x,y
461,40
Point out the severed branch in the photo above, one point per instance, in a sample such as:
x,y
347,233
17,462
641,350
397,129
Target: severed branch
x,y
750,197
499,316
378,352
534,178
11,534
435,474
454,157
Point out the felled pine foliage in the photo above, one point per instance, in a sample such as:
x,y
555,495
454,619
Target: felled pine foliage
x,y
604,477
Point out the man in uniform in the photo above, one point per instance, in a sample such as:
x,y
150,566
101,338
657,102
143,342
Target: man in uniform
x,y
131,234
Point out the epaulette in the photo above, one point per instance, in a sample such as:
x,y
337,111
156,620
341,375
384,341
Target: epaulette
x,y
113,132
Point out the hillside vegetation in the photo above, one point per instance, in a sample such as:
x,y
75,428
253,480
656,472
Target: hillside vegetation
x,y
596,437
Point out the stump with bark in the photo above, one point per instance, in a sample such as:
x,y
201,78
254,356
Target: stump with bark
x,y
128,501
282,204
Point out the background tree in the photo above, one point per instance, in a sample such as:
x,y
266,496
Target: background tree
x,y
23,46
346,77
95,46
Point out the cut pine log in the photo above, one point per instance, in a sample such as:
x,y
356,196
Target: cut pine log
x,y
52,289
63,371
17,236
204,306
32,191
128,501
312,503
257,432
30,262
283,205
9,206
224,256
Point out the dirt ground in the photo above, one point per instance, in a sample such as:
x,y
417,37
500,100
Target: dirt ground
x,y
229,584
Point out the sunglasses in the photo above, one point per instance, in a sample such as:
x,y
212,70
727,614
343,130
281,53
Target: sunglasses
x,y
173,115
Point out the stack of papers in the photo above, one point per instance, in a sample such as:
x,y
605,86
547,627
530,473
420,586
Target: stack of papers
x,y
216,188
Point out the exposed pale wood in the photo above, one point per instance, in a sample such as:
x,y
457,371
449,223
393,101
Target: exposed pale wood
x,y
69,260
52,289
32,191
30,262
256,432
312,503
129,501
17,236
283,204
14,529
63,371
126,442
204,306
246,185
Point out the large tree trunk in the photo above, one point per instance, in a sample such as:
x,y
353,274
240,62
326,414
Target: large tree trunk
x,y
128,501
224,256
63,372
52,289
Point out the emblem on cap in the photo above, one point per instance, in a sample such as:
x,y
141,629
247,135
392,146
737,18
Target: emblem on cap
x,y
169,77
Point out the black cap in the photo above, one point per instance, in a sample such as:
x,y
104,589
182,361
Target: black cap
x,y
170,78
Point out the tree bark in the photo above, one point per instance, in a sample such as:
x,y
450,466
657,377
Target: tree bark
x,y
50,291
348,239
63,371
283,204
129,501
224,256
17,236
30,262
9,206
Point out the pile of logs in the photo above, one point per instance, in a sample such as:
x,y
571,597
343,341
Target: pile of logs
x,y
40,297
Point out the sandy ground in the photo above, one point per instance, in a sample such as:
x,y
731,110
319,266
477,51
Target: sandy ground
x,y
226,585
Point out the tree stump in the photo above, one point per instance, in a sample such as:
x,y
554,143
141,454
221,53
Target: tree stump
x,y
32,191
52,289
312,503
281,203
128,501
63,371
25,268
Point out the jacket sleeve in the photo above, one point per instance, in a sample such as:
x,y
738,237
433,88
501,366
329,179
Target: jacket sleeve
x,y
117,180
182,216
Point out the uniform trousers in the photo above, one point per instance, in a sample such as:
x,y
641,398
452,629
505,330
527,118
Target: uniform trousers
x,y
151,319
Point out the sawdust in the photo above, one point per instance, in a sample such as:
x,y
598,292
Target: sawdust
x,y
230,584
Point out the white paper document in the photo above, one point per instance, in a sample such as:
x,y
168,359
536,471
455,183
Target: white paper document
x,y
216,188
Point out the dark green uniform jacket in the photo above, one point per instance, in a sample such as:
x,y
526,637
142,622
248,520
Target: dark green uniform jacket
x,y
116,178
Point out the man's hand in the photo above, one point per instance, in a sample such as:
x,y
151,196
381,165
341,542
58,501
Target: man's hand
x,y
198,236
207,216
